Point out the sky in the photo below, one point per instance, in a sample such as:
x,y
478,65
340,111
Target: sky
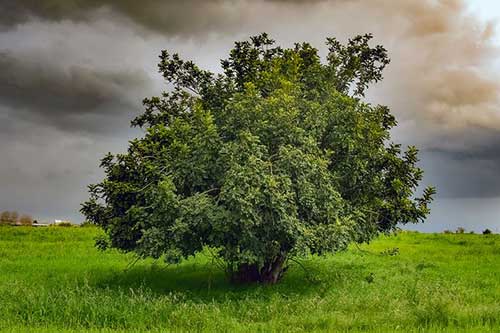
x,y
73,74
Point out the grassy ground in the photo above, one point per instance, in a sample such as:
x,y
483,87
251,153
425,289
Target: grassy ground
x,y
52,280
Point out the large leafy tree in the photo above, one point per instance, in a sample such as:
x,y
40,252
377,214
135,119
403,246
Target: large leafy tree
x,y
275,157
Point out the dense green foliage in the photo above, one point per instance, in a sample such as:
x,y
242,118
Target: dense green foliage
x,y
274,158
53,280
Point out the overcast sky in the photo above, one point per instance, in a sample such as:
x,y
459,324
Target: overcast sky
x,y
73,74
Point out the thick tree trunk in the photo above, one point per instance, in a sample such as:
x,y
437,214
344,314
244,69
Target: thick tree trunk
x,y
270,273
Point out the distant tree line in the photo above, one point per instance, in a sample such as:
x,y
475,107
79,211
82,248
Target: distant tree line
x,y
13,217
461,230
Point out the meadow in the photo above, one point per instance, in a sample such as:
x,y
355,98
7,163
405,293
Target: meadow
x,y
54,280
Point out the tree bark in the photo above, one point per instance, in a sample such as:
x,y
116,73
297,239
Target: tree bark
x,y
270,273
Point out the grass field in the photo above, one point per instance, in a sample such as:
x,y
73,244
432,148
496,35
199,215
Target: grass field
x,y
53,280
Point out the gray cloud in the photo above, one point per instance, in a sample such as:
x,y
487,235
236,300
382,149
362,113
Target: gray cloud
x,y
462,176
55,91
172,17
190,18
44,171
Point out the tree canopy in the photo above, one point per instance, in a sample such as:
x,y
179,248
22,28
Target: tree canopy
x,y
275,157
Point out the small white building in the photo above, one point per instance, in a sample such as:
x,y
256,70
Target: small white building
x,y
40,224
57,222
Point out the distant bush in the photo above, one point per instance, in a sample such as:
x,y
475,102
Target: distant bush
x,y
13,218
86,224
26,220
398,231
7,217
64,224
447,231
487,232
460,230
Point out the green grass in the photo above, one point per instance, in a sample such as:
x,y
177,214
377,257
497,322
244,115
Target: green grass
x,y
52,279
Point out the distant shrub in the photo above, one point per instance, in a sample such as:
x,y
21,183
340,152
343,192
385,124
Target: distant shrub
x,y
9,218
86,224
5,218
398,231
447,231
471,232
407,232
25,220
64,224
460,230
487,232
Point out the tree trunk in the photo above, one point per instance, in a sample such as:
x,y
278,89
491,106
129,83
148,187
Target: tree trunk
x,y
270,273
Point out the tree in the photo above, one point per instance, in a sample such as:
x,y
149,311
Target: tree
x,y
26,220
14,217
5,217
274,158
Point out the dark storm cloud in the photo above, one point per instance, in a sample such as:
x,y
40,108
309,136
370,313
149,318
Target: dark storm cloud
x,y
173,17
461,175
38,88
440,53
464,164
479,144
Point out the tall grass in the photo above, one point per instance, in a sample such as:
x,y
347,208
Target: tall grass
x,y
53,279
